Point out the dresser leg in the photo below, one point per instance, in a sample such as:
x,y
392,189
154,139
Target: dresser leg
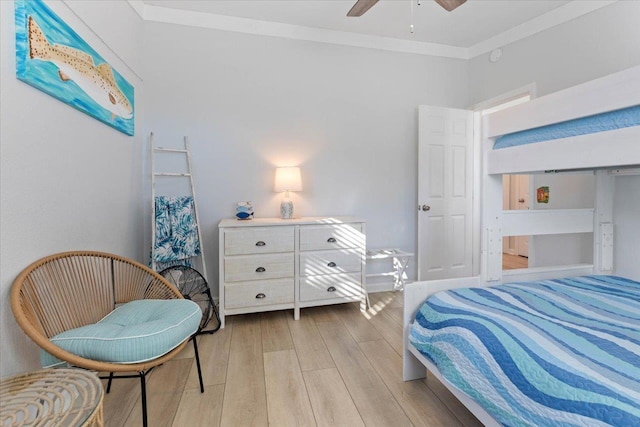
x,y
296,313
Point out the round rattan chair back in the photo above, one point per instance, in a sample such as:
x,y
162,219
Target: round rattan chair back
x,y
73,289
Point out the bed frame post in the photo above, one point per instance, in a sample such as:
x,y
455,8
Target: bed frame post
x,y
491,252
603,223
414,295
412,369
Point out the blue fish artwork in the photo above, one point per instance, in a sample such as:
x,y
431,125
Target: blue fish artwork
x,y
50,56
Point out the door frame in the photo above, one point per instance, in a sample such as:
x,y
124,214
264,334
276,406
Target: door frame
x,y
511,246
530,89
520,240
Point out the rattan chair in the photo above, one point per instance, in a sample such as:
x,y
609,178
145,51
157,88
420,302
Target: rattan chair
x,y
74,289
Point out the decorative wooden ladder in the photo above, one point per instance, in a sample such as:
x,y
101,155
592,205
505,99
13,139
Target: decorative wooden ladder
x,y
168,175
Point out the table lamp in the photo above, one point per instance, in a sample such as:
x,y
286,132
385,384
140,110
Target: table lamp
x,y
287,179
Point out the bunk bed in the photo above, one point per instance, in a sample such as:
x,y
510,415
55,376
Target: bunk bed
x,y
606,149
603,148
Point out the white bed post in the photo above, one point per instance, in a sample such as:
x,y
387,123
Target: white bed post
x,y
603,223
414,296
491,256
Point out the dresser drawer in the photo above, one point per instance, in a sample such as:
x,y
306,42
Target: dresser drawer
x,y
320,237
331,262
258,240
255,294
258,267
330,286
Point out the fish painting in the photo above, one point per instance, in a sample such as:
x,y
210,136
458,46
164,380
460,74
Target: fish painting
x,y
97,81
53,58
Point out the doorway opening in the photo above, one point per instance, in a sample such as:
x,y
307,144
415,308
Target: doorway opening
x,y
515,196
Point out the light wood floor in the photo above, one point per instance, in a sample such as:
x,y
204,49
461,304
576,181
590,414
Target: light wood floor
x,y
510,262
336,366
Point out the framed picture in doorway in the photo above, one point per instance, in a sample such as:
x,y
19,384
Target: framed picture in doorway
x,y
543,195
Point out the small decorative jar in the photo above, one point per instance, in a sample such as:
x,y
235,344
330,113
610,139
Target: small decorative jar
x,y
244,211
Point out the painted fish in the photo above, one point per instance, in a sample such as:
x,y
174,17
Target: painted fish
x,y
97,82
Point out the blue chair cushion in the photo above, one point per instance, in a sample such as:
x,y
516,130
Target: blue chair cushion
x,y
135,332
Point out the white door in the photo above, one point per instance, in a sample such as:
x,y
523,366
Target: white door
x,y
445,183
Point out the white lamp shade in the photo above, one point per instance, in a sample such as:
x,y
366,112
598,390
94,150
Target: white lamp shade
x,y
288,179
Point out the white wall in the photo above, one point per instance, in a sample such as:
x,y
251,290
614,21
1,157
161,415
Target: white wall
x,y
68,181
347,116
592,46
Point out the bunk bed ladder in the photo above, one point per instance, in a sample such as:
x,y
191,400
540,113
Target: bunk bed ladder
x,y
173,175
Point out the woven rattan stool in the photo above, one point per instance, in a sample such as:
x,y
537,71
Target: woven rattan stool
x,y
52,397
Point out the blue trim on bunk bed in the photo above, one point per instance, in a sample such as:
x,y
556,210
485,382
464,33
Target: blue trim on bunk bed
x,y
559,352
625,117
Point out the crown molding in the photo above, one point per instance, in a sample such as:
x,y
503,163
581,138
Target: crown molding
x,y
138,6
110,53
565,13
289,31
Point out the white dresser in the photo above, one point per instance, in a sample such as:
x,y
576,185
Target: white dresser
x,y
274,264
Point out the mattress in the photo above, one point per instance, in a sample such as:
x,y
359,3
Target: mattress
x,y
611,120
551,353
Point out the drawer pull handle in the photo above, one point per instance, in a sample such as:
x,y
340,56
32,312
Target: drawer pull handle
x,y
332,264
331,240
260,270
260,243
260,296
331,289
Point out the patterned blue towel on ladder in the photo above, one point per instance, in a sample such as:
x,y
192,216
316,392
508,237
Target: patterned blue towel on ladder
x,y
176,239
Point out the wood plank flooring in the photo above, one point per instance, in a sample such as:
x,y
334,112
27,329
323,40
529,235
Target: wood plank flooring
x,y
337,366
510,262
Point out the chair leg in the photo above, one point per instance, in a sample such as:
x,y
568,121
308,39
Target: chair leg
x,y
109,382
143,397
195,349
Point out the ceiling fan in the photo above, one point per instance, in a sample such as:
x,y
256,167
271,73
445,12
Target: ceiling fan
x,y
362,6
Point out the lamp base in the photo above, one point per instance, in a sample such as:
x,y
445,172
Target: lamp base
x,y
286,209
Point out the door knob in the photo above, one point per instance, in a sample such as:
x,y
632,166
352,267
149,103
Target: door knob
x,y
520,200
426,208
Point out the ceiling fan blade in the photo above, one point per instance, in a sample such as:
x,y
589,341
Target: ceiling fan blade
x,y
449,5
361,7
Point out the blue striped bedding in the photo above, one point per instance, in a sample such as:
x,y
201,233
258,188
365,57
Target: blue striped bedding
x,y
625,117
560,352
